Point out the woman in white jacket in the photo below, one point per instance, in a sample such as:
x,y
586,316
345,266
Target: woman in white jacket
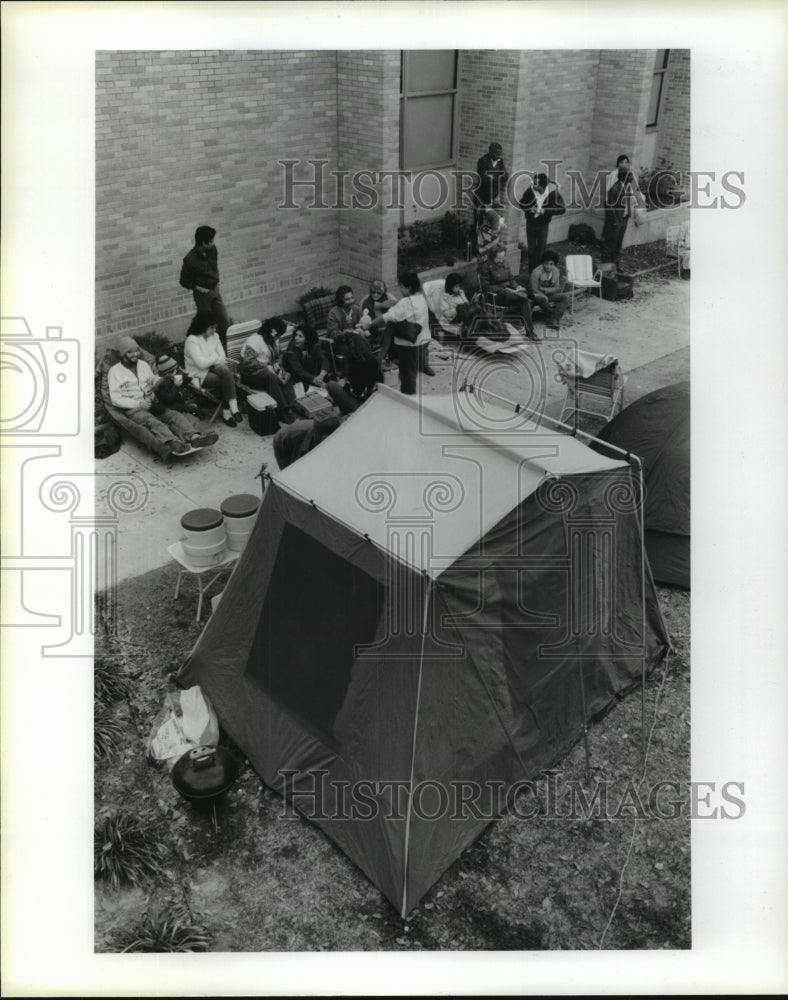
x,y
206,362
411,355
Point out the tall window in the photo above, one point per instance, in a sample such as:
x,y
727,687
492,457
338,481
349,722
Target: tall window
x,y
428,105
657,87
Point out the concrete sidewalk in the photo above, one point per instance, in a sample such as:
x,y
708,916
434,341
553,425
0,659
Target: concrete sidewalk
x,y
649,335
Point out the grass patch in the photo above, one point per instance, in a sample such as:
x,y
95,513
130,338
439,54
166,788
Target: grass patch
x,y
124,852
164,930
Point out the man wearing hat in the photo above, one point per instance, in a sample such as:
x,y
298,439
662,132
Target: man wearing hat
x,y
492,179
200,274
131,384
169,388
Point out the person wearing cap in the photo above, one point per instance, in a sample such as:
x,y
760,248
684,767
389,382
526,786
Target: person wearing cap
x,y
169,388
540,202
491,181
200,274
131,384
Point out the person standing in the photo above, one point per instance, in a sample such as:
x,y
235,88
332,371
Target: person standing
x,y
540,203
621,199
492,180
200,274
411,355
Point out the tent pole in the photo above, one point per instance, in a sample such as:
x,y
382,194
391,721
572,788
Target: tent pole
x,y
585,721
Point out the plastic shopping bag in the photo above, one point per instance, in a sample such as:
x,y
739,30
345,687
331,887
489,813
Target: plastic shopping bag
x,y
187,720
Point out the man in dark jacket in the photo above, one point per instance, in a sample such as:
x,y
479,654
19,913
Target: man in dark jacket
x,y
200,274
492,179
541,203
496,276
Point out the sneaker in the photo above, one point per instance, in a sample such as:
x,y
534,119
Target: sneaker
x,y
204,440
179,447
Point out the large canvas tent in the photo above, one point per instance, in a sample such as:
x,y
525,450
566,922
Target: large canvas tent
x,y
432,602
656,428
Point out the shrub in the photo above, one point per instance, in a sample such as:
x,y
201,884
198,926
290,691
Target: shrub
x,y
160,931
124,851
108,684
156,344
107,732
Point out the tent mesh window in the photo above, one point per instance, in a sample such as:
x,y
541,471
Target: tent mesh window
x,y
318,609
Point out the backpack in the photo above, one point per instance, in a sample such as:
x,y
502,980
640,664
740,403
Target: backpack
x,y
582,233
616,287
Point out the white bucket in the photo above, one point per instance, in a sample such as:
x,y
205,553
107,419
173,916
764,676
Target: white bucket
x,y
240,514
205,538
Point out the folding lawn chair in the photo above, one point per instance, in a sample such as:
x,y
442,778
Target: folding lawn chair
x,y
596,377
581,275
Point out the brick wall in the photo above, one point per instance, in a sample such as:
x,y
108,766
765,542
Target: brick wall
x,y
184,138
620,106
368,138
673,140
492,109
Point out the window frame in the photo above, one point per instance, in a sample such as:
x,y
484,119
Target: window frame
x,y
405,96
662,73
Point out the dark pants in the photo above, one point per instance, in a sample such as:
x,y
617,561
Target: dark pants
x,y
268,381
212,302
408,360
553,305
613,233
536,236
341,397
220,380
520,301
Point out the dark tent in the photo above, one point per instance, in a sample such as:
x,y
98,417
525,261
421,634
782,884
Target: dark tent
x,y
656,428
425,608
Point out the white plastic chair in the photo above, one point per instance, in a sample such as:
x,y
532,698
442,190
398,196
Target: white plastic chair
x,y
581,275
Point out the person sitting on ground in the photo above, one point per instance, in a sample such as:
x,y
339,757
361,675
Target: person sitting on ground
x,y
305,363
454,310
172,381
497,277
547,287
344,316
261,367
411,355
489,234
293,442
131,384
373,308
206,362
362,368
